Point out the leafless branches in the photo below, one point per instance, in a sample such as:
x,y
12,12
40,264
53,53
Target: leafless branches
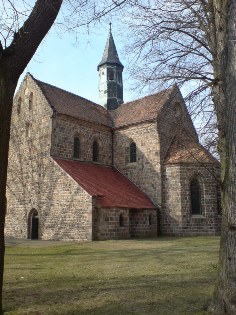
x,y
12,14
166,42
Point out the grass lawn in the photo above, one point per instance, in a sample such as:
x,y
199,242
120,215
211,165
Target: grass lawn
x,y
164,276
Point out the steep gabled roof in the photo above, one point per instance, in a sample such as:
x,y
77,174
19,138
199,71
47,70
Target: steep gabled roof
x,y
188,151
67,103
110,54
143,109
111,188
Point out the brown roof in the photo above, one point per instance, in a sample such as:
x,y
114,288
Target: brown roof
x,y
67,103
73,105
185,150
111,188
146,108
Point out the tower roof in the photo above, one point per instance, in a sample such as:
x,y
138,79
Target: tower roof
x,y
110,53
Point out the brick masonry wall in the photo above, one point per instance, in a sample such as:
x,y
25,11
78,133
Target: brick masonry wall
x,y
145,173
36,182
176,217
136,223
66,128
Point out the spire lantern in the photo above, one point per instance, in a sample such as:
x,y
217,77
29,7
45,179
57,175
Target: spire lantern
x,y
110,76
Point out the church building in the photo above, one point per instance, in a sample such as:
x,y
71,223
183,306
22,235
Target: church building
x,y
85,171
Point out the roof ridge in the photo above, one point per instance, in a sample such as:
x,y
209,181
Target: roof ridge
x,y
150,95
71,93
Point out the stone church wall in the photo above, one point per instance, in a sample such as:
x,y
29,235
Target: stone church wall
x,y
173,120
176,217
145,172
135,223
36,182
66,128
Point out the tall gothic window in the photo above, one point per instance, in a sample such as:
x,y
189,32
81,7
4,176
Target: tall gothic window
x,y
95,151
76,149
31,101
195,191
132,152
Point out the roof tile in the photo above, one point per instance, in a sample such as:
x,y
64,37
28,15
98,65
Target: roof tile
x,y
186,150
110,187
73,105
140,110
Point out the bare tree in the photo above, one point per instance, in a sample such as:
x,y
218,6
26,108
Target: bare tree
x,y
21,32
225,103
194,41
176,41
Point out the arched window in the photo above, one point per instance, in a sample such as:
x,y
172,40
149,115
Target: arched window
x,y
132,152
31,101
95,151
195,196
19,105
76,149
121,220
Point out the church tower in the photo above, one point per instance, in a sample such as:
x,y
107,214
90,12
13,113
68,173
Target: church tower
x,y
110,76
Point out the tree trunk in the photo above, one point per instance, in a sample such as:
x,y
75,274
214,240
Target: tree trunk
x,y
13,60
7,88
224,300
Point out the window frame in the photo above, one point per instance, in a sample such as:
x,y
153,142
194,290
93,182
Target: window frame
x,y
132,152
195,197
76,147
111,74
95,151
121,220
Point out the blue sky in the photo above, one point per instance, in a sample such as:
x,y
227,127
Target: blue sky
x,y
63,61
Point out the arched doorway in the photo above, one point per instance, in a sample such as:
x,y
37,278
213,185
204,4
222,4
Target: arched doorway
x,y
33,225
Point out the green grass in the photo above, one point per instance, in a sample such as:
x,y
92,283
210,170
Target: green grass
x,y
140,277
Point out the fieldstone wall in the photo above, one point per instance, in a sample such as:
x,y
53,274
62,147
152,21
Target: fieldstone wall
x,y
143,223
176,216
173,120
145,172
36,182
65,128
135,223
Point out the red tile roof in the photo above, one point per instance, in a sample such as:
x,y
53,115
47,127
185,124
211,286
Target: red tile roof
x,y
185,150
111,188
140,110
73,105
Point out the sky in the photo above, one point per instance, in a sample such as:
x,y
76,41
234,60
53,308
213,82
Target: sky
x,y
62,61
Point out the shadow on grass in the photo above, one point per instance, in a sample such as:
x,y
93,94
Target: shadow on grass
x,y
125,295
119,277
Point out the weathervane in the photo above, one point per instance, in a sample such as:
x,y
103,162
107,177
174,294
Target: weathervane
x,y
110,26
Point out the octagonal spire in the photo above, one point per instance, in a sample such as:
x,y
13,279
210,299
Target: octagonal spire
x,y
110,55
